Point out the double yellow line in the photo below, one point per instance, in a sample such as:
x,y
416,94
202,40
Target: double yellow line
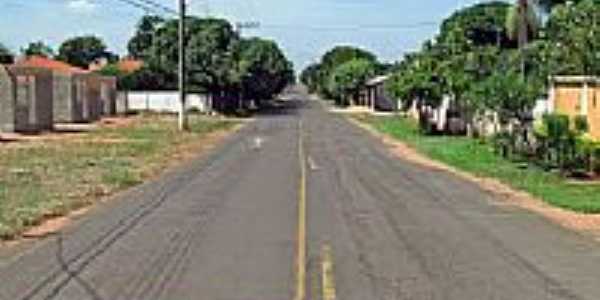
x,y
327,279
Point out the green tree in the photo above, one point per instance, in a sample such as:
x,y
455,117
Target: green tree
x,y
310,77
81,51
522,22
211,52
475,26
264,69
346,80
38,48
506,93
139,45
213,55
336,57
573,32
6,57
548,5
417,80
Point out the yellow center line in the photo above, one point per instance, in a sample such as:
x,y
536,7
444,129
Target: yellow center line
x,y
328,278
301,251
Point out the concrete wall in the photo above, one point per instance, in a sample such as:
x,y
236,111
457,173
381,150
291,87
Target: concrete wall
x,y
87,91
83,97
122,103
108,95
160,101
67,108
7,101
33,110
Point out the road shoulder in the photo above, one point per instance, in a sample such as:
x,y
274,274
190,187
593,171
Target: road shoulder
x,y
504,194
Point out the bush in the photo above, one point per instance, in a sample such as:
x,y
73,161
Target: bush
x,y
581,124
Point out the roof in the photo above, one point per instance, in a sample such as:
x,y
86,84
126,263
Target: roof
x,y
575,79
378,80
130,65
47,63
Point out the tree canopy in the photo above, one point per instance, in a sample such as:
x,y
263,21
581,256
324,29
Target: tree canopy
x,y
219,61
478,25
264,69
332,59
573,37
38,48
347,79
81,51
139,45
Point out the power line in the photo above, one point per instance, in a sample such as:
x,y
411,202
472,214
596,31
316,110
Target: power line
x,y
160,6
148,6
353,28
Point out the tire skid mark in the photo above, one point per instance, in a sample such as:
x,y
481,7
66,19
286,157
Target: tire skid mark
x,y
77,264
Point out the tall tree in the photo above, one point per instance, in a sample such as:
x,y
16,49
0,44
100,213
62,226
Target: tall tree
x,y
38,48
310,76
475,26
264,69
346,80
140,43
213,54
81,51
336,57
573,32
548,5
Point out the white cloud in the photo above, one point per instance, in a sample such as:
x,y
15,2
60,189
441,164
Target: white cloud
x,y
81,5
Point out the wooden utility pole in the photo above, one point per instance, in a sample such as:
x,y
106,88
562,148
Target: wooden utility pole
x,y
183,121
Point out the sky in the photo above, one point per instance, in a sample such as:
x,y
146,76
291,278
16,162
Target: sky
x,y
305,29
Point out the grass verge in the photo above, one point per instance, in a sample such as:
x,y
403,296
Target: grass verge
x,y
479,159
48,178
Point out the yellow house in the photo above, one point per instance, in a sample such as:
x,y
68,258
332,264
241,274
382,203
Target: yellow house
x,y
577,96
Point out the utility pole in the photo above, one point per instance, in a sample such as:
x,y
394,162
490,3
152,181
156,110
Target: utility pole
x,y
183,122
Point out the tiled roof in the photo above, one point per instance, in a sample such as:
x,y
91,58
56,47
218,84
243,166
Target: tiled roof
x,y
47,63
130,65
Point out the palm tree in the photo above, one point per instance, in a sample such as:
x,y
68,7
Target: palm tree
x,y
523,24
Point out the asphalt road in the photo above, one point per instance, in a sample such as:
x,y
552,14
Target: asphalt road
x,y
300,204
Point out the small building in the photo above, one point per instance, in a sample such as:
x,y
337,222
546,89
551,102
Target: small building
x,y
79,95
577,96
377,96
25,103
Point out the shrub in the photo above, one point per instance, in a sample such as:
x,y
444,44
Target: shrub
x,y
581,124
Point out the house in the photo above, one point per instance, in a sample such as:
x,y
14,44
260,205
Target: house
x,y
25,104
377,96
577,96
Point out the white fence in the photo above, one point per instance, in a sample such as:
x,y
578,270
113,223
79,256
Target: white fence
x,y
162,101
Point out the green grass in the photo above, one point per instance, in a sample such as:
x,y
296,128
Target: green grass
x,y
50,178
479,159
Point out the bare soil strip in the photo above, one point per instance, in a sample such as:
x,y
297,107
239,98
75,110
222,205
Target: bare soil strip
x,y
505,195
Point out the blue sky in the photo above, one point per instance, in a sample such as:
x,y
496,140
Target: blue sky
x,y
304,28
